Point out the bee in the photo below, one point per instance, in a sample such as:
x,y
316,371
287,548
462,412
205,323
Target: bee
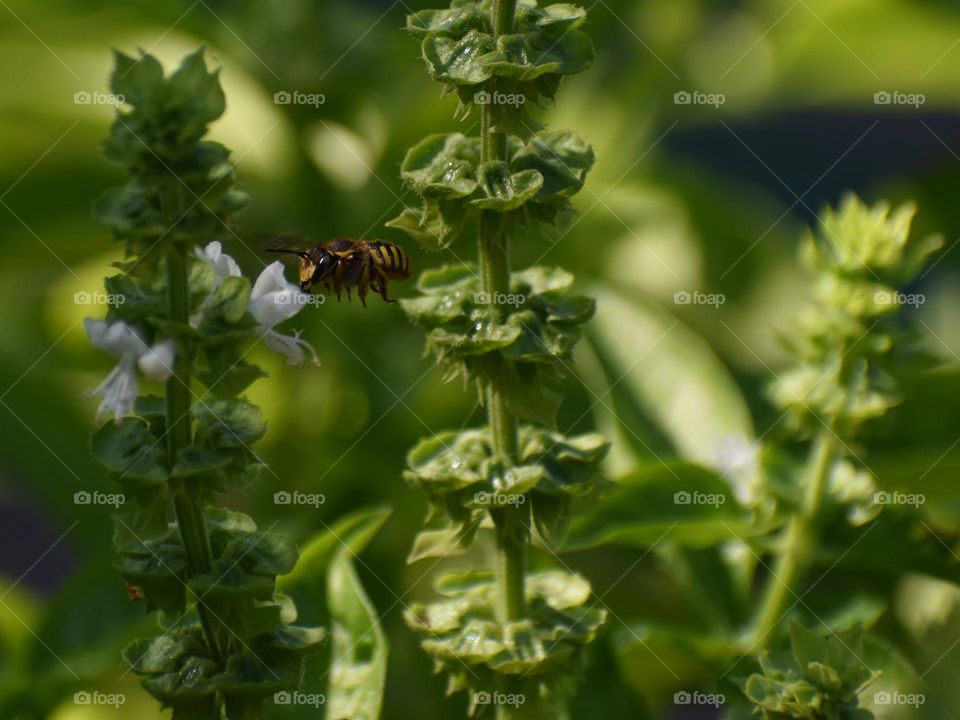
x,y
344,263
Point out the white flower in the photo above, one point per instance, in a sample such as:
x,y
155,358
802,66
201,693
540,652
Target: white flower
x,y
119,388
272,301
223,265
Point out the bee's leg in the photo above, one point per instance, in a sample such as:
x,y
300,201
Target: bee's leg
x,y
380,286
339,289
362,293
348,293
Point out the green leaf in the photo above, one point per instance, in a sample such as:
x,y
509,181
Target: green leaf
x,y
354,530
503,190
673,502
229,423
673,377
136,79
457,60
359,646
129,451
435,225
442,165
230,300
193,461
561,157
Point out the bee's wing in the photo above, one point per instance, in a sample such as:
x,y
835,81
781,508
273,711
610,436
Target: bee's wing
x,y
289,245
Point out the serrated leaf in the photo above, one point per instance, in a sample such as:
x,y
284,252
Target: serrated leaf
x,y
129,451
504,190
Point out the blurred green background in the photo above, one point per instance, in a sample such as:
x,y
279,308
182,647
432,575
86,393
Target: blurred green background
x,y
684,197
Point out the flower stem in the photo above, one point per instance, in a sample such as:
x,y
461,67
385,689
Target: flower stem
x,y
799,543
494,254
189,515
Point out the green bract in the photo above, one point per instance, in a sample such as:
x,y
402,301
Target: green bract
x,y
526,350
819,680
459,473
531,189
467,641
844,342
511,333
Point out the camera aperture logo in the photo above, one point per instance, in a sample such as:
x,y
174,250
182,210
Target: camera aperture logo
x,y
98,297
695,297
499,298
894,297
498,698
300,298
899,498
85,97
295,97
292,697
885,697
85,697
884,97
499,98
283,497
684,497
496,499
83,497
696,97
698,698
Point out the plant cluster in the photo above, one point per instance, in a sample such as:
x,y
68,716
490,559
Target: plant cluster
x,y
511,333
818,680
229,639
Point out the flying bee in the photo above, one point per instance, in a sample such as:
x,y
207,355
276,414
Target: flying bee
x,y
344,263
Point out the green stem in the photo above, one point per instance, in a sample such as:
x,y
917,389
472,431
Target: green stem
x,y
189,515
494,255
799,543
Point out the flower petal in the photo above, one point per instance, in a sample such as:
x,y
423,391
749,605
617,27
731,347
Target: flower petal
x,y
118,390
224,266
290,346
274,299
116,339
157,363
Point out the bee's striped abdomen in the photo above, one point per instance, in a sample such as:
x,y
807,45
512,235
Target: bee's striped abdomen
x,y
391,259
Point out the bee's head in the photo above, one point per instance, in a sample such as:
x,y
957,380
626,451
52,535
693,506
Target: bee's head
x,y
315,266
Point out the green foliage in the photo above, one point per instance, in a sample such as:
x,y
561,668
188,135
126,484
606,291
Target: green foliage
x,y
819,680
525,350
531,189
229,641
460,474
473,646
512,334
845,344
